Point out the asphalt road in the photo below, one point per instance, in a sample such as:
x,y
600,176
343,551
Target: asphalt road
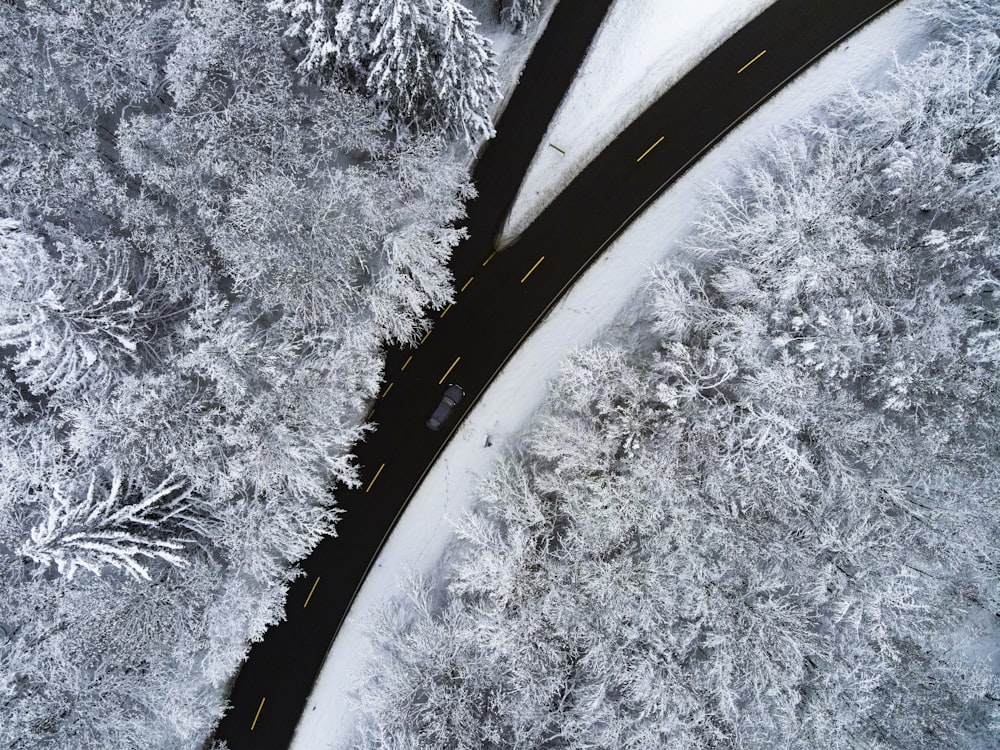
x,y
504,295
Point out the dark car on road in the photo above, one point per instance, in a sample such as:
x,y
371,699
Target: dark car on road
x,y
451,398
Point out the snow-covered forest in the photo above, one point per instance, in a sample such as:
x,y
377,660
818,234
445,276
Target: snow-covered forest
x,y
213,216
775,524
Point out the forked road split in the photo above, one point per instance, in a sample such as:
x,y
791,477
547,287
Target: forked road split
x,y
504,295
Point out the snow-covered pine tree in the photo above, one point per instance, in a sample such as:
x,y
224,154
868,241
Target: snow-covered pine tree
x,y
520,14
422,61
106,525
313,22
465,82
75,318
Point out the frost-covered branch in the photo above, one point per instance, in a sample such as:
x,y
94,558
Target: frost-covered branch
x,y
76,317
109,527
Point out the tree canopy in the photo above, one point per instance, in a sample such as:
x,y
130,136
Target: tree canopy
x,y
202,256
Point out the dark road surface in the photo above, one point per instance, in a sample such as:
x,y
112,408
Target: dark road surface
x,y
505,295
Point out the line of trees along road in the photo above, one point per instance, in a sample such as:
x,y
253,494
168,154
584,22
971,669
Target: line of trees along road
x,y
204,245
774,524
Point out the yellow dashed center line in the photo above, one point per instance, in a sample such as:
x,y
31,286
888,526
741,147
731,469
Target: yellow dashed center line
x,y
370,414
368,488
425,337
387,389
315,584
448,372
257,715
445,311
406,363
650,149
523,278
751,62
466,283
490,258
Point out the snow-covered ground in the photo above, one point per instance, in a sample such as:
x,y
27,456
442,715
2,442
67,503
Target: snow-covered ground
x,y
595,302
642,49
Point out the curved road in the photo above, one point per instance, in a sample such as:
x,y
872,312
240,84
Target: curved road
x,y
504,295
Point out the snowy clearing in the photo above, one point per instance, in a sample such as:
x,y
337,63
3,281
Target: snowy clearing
x,y
598,300
641,50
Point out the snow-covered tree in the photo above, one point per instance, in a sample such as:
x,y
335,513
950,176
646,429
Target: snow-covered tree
x,y
421,61
106,525
294,231
963,20
520,14
76,318
314,22
109,50
54,163
411,273
81,654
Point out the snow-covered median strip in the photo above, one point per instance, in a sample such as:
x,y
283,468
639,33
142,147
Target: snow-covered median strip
x,y
642,49
594,302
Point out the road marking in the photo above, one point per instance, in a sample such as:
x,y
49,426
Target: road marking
x,y
445,311
315,584
449,370
387,389
257,715
368,488
490,258
523,278
425,336
650,149
558,149
406,362
751,62
466,283
370,414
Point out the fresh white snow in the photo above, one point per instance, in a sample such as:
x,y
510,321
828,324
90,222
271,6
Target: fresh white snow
x,y
642,49
594,303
